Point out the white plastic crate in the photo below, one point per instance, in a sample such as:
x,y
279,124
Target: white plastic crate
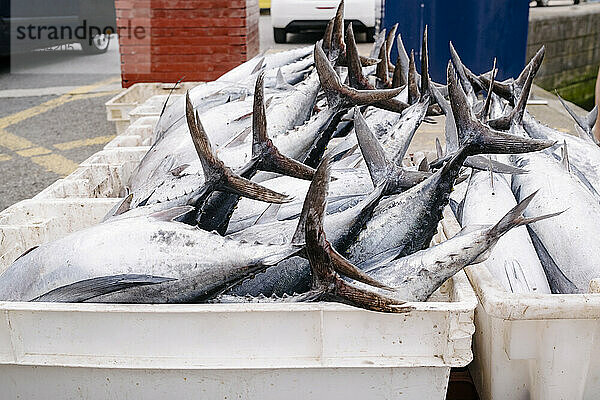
x,y
137,134
105,174
119,107
152,107
532,346
250,351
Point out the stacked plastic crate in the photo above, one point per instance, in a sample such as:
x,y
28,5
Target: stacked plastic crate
x,y
197,40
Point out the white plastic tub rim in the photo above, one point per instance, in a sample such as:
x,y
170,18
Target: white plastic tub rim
x,y
119,106
239,336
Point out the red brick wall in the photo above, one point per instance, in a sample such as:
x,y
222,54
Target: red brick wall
x,y
196,39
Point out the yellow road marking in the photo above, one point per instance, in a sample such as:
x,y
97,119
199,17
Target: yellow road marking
x,y
56,163
53,103
14,142
40,155
84,142
34,151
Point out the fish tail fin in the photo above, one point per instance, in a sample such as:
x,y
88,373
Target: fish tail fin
x,y
355,72
328,36
264,152
373,154
338,46
425,81
413,87
327,264
403,60
485,112
461,70
479,138
379,38
389,42
382,67
515,218
534,63
316,198
340,96
218,175
586,124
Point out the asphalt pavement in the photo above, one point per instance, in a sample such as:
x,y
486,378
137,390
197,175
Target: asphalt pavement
x,y
49,102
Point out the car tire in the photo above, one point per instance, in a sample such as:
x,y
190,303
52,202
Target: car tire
x,y
98,45
542,3
370,35
280,35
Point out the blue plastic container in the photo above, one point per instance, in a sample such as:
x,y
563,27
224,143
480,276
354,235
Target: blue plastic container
x,y
479,29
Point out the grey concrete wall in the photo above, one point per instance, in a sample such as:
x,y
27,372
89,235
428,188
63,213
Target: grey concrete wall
x,y
572,39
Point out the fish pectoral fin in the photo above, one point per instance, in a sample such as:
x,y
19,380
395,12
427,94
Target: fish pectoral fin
x,y
122,207
485,164
88,289
269,215
172,213
373,153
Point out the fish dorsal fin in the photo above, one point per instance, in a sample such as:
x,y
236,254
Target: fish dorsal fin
x,y
565,156
172,213
120,208
281,82
259,66
169,96
373,153
424,165
316,198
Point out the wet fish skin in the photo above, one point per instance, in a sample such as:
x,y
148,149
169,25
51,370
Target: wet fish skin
x,y
513,262
193,263
579,224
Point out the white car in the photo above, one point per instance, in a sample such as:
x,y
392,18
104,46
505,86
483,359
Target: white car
x,y
300,15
